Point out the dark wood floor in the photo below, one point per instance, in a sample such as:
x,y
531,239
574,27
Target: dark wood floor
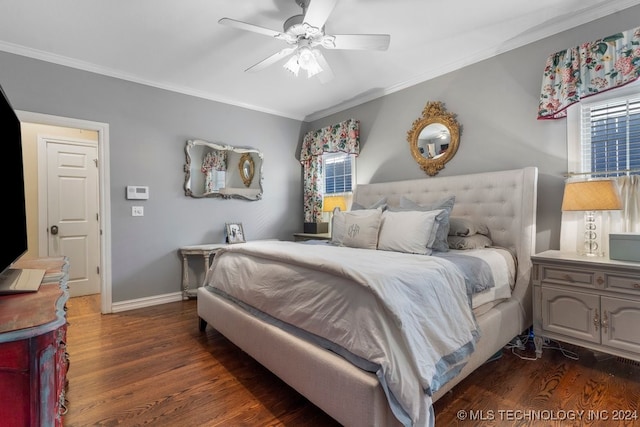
x,y
153,367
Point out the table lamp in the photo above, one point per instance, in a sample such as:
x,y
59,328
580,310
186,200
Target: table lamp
x,y
329,203
591,197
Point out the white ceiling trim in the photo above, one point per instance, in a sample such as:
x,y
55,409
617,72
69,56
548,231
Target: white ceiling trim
x,y
92,68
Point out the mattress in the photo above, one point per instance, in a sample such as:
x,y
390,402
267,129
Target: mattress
x,y
313,287
503,267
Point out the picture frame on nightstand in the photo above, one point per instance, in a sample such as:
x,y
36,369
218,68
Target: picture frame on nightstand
x,y
234,232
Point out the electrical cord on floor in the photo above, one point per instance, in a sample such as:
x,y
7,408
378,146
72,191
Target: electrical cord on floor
x,y
519,343
554,345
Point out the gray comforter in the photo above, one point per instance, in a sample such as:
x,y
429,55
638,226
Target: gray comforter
x,y
406,317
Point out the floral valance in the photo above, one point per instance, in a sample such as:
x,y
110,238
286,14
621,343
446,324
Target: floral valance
x,y
588,69
341,137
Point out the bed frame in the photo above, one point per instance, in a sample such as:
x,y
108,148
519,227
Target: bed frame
x,y
505,201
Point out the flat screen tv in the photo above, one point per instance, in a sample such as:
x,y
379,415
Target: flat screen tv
x,y
14,237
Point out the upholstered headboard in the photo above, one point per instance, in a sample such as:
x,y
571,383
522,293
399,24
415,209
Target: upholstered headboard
x,y
505,201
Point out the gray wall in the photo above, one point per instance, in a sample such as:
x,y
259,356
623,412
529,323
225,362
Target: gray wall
x,y
148,131
496,103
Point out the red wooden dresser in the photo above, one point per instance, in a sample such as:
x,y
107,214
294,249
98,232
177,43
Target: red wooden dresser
x,y
33,357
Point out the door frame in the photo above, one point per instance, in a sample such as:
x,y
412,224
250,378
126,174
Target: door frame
x,y
104,186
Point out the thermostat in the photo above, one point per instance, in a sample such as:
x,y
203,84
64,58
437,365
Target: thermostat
x,y
137,192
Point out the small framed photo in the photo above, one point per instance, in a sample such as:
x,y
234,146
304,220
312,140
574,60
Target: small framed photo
x,y
234,232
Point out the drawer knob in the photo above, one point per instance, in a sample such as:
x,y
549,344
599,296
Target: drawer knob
x,y
600,280
596,320
605,322
636,285
568,278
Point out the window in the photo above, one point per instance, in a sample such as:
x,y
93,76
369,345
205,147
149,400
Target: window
x,y
611,138
607,136
339,173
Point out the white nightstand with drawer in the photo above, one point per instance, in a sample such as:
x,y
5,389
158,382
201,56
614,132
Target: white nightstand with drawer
x,y
593,302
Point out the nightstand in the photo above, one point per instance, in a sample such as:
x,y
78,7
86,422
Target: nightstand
x,y
301,237
206,252
593,302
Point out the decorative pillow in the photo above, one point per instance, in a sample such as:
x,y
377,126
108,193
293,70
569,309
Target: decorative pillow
x,y
475,241
408,231
356,229
466,227
382,204
440,243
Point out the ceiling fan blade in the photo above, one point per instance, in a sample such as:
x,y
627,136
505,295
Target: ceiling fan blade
x,y
358,41
271,60
318,11
327,74
248,27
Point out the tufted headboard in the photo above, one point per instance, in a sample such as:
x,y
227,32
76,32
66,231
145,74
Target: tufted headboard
x,y
505,201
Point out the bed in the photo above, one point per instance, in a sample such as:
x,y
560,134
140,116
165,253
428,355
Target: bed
x,y
370,378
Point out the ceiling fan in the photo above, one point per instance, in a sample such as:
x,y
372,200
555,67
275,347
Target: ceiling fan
x,y
305,34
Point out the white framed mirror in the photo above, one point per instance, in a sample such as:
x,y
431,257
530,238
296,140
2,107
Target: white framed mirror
x,y
219,170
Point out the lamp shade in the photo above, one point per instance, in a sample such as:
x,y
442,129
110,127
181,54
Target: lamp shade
x,y
600,195
329,203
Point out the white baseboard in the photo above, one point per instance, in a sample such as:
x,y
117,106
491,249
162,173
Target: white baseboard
x,y
117,307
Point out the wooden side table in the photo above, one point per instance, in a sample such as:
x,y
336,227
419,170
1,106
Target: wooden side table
x,y
301,237
206,252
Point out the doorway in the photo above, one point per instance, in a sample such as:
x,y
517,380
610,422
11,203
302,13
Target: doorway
x,y
72,210
81,149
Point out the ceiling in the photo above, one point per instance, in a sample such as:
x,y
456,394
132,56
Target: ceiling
x,y
179,45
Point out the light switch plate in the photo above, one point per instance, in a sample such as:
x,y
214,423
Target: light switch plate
x,y
137,210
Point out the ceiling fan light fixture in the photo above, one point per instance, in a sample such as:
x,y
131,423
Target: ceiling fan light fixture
x,y
312,65
305,58
304,33
292,65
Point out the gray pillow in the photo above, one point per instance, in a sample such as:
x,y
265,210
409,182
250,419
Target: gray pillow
x,y
446,203
476,241
466,227
382,204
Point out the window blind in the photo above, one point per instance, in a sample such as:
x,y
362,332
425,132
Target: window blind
x,y
337,173
610,138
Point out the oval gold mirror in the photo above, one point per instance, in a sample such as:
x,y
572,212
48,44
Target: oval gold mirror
x,y
434,137
246,169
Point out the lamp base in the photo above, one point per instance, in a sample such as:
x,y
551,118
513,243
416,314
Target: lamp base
x,y
591,254
591,247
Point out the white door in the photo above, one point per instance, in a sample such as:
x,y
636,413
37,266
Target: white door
x,y
72,212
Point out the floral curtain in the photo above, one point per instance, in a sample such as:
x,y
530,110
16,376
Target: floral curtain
x,y
585,70
214,161
341,137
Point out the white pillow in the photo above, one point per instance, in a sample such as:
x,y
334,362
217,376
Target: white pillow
x,y
356,229
408,231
